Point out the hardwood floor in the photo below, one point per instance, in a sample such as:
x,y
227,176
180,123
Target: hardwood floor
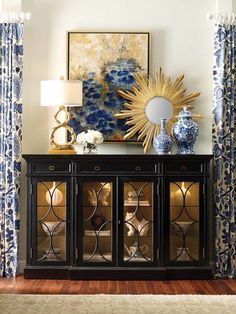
x,y
20,285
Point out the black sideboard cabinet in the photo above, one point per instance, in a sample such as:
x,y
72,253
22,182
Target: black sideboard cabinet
x,y
118,216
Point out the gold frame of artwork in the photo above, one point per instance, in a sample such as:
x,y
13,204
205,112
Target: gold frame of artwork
x,y
93,57
138,97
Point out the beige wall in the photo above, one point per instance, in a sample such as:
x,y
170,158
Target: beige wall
x,y
181,42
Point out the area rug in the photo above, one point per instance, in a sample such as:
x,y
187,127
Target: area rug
x,y
117,304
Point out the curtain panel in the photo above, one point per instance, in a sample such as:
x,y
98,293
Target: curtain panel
x,y
11,75
224,149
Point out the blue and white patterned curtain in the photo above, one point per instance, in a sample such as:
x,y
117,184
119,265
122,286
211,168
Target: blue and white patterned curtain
x,y
224,149
11,75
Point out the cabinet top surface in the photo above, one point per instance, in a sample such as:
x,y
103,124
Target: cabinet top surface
x,y
117,157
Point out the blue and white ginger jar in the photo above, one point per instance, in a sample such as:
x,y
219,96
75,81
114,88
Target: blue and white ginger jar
x,y
162,143
185,132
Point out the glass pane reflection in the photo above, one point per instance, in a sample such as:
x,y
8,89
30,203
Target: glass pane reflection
x,y
97,222
184,221
51,218
138,222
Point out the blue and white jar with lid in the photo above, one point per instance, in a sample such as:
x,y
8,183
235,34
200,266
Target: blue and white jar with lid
x,y
185,132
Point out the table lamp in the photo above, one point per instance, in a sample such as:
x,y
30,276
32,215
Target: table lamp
x,y
65,94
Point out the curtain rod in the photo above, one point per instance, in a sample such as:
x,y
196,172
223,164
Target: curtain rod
x,y
222,17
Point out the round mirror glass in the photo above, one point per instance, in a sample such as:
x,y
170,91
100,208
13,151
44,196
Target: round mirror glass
x,y
157,108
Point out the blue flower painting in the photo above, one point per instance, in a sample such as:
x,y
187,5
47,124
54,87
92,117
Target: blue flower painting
x,y
106,62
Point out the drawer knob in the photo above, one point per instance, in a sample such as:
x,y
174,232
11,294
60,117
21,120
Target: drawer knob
x,y
51,168
183,168
138,168
97,168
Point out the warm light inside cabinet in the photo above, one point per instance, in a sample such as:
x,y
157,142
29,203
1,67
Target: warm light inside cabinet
x,y
51,221
184,221
138,222
54,196
97,222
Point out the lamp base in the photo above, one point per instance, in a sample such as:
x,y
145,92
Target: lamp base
x,y
66,147
62,151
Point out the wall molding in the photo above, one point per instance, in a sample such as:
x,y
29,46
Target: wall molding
x,y
21,265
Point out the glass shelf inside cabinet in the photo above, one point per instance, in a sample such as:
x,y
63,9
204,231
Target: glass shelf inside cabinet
x,y
141,236
136,203
97,258
101,233
51,221
97,221
138,221
184,221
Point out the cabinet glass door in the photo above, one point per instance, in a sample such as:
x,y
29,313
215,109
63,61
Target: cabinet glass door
x,y
184,218
137,222
51,218
97,222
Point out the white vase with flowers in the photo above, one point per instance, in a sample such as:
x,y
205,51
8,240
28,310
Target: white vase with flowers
x,y
90,140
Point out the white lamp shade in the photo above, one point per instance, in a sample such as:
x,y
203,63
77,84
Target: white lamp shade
x,y
61,92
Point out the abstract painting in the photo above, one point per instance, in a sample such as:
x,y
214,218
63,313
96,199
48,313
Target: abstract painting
x,y
106,62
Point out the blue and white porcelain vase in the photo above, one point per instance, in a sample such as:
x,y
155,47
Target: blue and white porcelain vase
x,y
185,132
162,143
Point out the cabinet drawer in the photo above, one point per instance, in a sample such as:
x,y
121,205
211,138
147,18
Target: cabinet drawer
x,y
53,167
183,168
111,167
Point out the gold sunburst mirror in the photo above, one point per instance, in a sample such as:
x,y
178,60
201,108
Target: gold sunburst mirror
x,y
150,100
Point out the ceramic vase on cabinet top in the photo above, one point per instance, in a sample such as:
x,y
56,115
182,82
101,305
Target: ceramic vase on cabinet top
x,y
162,143
185,132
